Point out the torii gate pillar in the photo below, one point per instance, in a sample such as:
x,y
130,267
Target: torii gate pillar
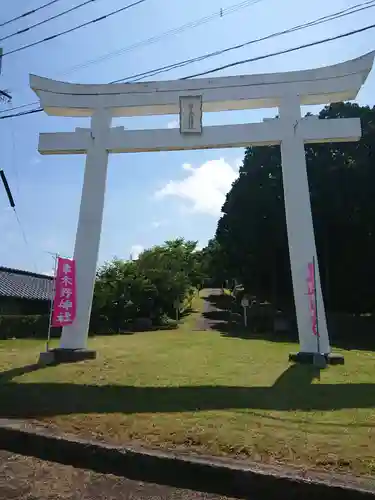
x,y
86,249
190,98
301,238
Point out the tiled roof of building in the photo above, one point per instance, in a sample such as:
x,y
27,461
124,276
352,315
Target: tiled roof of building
x,y
25,285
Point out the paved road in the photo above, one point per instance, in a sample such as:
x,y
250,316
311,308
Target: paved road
x,y
213,314
26,478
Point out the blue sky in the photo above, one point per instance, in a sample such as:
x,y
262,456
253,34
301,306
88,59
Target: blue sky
x,y
150,197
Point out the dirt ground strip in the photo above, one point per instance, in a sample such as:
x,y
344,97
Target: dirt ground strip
x,y
27,478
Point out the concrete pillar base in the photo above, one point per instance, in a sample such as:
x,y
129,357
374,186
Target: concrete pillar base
x,y
46,358
310,358
65,356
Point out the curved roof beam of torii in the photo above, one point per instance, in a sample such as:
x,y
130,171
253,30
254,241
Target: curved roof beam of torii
x,y
315,86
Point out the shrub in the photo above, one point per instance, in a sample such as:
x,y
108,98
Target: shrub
x,y
23,327
187,303
100,325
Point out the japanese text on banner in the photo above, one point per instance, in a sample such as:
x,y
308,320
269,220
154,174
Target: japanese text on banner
x,y
64,303
311,295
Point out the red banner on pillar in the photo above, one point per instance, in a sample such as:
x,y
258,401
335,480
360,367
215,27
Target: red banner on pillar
x,y
311,284
64,302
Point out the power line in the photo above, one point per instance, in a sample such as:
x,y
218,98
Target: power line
x,y
56,16
23,235
163,69
174,31
143,43
321,20
70,30
28,13
236,63
13,206
285,51
30,112
19,107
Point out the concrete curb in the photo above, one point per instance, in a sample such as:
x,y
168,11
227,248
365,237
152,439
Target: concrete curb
x,y
212,476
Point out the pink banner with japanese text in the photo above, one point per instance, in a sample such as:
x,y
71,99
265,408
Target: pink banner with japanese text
x,y
64,303
312,296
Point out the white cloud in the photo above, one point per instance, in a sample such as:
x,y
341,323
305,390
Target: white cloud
x,y
205,187
135,251
173,124
158,223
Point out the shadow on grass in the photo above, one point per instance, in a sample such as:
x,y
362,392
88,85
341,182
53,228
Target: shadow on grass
x,y
347,331
293,390
8,375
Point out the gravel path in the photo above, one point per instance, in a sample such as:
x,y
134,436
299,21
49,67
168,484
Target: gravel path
x,y
27,478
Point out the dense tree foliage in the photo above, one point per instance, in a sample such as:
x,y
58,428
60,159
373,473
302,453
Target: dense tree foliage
x,y
251,245
251,236
149,287
213,264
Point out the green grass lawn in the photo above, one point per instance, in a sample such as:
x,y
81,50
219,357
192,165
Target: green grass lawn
x,y
204,392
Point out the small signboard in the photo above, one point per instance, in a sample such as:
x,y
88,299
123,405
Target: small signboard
x,y
311,292
64,303
245,302
191,114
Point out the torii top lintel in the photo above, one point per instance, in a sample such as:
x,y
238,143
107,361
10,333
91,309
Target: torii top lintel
x,y
315,86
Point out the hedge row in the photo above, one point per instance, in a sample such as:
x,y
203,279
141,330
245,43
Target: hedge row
x,y
22,327
101,325
36,326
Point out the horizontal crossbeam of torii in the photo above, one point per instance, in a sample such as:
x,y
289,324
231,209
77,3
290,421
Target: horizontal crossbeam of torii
x,y
119,140
286,91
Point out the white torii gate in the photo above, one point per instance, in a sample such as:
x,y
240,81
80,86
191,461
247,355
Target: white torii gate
x,y
190,98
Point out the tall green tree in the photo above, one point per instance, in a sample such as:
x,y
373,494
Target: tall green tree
x,y
122,293
252,231
214,263
148,287
172,268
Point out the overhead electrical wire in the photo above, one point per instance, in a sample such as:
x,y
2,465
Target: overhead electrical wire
x,y
237,63
284,51
70,30
28,13
44,21
327,18
190,61
143,43
21,113
174,31
321,20
18,107
342,13
13,206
